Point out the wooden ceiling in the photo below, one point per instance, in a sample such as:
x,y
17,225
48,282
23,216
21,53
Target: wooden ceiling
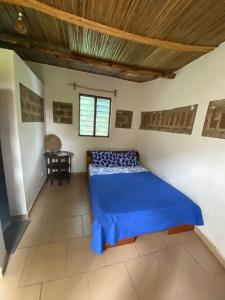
x,y
137,40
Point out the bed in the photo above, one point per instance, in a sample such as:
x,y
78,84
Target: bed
x,y
129,201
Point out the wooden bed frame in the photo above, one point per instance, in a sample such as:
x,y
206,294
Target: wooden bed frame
x,y
170,231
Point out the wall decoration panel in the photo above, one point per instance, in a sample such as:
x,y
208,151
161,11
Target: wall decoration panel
x,y
123,119
32,105
62,112
177,120
215,120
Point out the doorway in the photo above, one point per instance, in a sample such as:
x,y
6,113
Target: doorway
x,y
12,230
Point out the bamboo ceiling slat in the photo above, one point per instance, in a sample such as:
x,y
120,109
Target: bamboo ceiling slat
x,y
185,21
168,60
76,20
162,19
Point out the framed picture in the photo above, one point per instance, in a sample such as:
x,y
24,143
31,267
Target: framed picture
x,y
32,105
62,112
124,119
214,125
177,120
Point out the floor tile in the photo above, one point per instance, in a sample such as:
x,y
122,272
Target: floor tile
x,y
151,281
212,289
82,259
79,197
149,243
44,263
66,289
87,223
37,233
14,270
183,269
26,293
59,208
38,210
179,238
51,208
68,228
79,205
111,283
204,257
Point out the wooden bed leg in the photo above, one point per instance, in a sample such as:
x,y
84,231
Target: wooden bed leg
x,y
179,229
121,242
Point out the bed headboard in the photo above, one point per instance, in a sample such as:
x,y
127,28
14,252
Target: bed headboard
x,y
89,157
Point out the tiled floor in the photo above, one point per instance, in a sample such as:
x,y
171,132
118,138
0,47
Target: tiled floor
x,y
54,260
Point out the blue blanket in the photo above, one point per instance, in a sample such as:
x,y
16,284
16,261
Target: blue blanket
x,y
129,205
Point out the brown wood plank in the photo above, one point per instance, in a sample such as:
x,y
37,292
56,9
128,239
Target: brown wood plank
x,y
22,43
121,242
179,229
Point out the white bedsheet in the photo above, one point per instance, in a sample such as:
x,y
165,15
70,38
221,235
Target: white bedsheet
x,y
115,170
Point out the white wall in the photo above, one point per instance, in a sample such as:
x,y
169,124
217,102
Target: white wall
x,y
22,143
56,81
2,250
9,135
192,163
31,134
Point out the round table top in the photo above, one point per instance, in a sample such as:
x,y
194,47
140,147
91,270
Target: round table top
x,y
58,154
52,143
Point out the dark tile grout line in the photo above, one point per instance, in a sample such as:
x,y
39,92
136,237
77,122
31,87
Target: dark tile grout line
x,y
59,218
88,284
55,242
23,268
132,283
41,291
67,259
82,223
70,276
203,269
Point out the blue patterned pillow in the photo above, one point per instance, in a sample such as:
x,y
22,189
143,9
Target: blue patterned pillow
x,y
114,159
127,159
102,159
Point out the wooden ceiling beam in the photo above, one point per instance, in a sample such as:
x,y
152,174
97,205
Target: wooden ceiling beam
x,y
14,41
101,28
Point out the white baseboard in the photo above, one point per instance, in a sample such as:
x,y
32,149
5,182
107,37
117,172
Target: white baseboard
x,y
211,246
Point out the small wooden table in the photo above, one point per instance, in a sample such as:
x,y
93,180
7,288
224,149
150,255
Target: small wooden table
x,y
58,166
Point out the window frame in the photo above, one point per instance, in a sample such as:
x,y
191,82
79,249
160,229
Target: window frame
x,y
95,105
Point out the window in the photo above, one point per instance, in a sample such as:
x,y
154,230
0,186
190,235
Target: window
x,y
94,116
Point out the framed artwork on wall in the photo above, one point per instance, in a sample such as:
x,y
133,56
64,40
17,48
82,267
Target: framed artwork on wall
x,y
62,112
214,125
32,105
124,119
177,120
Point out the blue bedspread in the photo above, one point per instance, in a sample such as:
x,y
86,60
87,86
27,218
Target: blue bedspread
x,y
129,205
